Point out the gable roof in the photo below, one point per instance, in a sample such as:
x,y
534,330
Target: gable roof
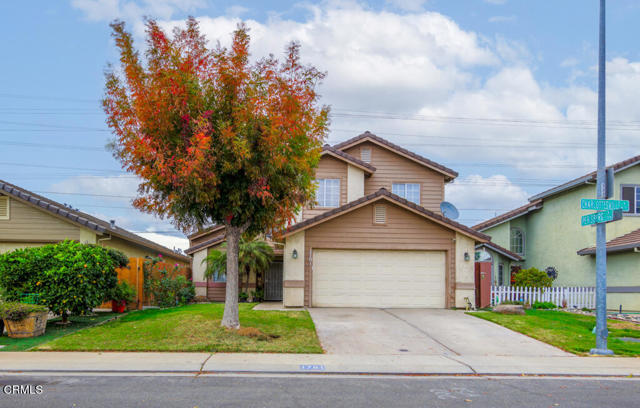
x,y
370,137
527,208
202,232
623,243
82,219
208,243
587,178
340,155
384,194
501,250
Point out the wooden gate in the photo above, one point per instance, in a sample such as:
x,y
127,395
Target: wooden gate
x,y
483,284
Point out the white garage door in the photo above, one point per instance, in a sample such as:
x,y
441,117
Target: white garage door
x,y
372,278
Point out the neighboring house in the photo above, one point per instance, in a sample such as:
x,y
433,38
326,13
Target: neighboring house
x,y
28,219
376,236
547,232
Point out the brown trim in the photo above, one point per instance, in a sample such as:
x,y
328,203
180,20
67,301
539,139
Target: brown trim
x,y
395,199
502,251
205,231
465,285
293,284
368,136
206,244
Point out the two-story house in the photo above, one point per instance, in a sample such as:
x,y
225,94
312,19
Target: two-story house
x,y
547,232
375,237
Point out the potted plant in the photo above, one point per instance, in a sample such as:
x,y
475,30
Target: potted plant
x,y
24,320
121,295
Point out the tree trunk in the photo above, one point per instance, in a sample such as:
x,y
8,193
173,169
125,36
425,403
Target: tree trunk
x,y
65,318
230,317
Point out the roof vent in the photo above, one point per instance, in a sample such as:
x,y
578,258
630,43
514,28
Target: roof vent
x,y
4,208
112,223
365,154
380,214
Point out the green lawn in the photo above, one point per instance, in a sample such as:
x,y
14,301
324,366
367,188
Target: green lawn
x,y
568,331
197,328
54,331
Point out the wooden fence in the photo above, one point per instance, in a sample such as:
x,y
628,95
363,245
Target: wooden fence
x,y
576,297
133,274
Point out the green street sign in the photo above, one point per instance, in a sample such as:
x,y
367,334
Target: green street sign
x,y
600,205
602,216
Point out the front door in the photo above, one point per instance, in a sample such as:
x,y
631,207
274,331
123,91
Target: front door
x,y
273,282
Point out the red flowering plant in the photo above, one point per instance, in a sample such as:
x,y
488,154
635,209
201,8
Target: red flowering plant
x,y
214,137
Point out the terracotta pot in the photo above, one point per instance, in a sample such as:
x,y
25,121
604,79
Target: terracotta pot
x,y
31,326
118,306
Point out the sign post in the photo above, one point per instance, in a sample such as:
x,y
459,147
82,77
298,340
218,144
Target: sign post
x,y
601,228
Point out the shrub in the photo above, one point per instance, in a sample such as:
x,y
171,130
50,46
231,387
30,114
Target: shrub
x,y
18,311
124,292
533,278
69,277
243,296
167,286
544,305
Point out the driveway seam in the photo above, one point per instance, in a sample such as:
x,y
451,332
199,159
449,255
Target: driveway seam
x,y
421,331
434,339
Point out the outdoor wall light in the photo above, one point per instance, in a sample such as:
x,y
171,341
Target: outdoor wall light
x,y
294,254
466,256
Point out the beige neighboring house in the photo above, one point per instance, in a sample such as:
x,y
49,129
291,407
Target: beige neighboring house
x,y
28,219
375,238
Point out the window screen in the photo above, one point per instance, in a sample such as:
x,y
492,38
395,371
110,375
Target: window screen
x,y
328,194
408,191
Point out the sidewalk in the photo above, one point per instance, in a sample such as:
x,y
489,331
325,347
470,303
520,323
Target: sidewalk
x,y
80,362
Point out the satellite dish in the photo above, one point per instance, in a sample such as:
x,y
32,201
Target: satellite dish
x,y
449,210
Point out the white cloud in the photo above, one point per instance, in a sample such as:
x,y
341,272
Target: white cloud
x,y
116,188
168,241
502,19
480,198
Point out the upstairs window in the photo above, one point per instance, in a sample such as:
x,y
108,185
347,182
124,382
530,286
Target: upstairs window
x,y
365,154
4,207
631,193
517,241
408,191
328,194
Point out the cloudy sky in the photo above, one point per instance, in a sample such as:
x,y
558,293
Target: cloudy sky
x,y
503,91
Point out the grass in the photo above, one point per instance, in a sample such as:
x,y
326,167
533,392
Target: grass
x,y
568,331
197,328
54,331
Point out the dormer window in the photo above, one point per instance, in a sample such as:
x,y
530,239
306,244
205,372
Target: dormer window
x,y
408,191
328,194
365,154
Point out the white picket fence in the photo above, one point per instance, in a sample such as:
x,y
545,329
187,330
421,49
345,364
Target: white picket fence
x,y
576,297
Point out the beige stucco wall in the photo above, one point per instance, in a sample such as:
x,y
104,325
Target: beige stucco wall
x,y
465,273
12,246
198,268
293,269
355,183
87,236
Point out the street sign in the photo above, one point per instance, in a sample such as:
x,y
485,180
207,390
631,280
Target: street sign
x,y
599,205
601,217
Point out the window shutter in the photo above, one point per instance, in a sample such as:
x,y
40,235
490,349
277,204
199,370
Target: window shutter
x,y
628,194
4,208
365,154
380,214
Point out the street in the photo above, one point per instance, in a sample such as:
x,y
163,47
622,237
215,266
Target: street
x,y
316,391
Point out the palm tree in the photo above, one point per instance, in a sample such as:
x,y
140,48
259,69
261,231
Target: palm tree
x,y
254,257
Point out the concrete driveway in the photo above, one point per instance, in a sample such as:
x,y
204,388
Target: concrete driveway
x,y
420,331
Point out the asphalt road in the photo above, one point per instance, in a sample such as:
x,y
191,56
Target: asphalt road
x,y
256,391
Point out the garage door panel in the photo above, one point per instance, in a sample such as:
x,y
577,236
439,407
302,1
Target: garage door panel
x,y
377,278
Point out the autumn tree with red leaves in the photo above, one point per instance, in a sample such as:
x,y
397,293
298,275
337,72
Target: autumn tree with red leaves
x,y
214,137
